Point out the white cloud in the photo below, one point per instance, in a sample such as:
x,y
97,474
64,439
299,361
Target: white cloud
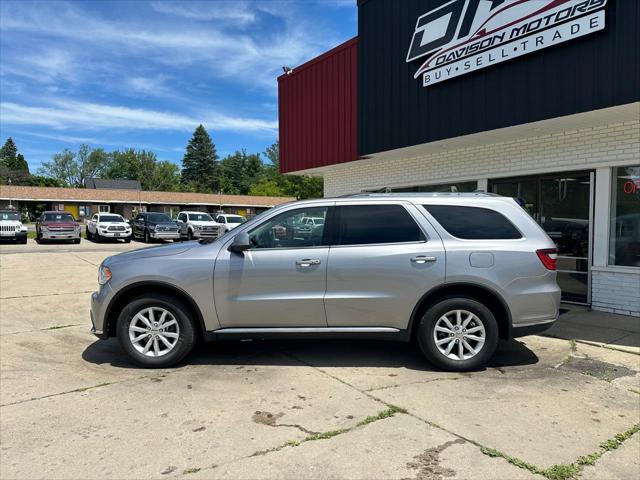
x,y
230,10
64,114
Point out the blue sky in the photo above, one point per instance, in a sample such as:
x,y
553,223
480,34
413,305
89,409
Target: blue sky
x,y
143,74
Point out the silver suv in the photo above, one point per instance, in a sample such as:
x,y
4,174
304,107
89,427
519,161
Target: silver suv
x,y
456,272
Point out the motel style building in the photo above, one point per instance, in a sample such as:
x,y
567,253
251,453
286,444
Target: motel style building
x,y
538,100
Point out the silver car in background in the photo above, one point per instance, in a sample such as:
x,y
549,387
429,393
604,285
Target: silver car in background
x,y
454,271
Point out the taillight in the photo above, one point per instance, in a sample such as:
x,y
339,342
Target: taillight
x,y
548,257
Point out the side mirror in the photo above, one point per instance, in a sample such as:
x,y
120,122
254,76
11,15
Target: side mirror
x,y
240,243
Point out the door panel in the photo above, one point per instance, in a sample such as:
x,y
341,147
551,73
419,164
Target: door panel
x,y
268,288
391,263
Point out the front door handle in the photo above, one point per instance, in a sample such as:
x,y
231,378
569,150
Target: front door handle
x,y
307,262
423,259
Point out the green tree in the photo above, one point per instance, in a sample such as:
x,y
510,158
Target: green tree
x,y
239,172
266,188
200,163
299,186
13,165
142,165
71,168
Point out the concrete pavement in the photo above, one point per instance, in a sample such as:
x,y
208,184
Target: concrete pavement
x,y
73,407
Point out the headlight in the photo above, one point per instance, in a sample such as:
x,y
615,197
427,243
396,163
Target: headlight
x,y
156,227
198,227
104,275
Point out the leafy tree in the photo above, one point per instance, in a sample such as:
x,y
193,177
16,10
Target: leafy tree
x,y
200,163
239,172
268,188
299,186
142,165
71,168
166,177
13,165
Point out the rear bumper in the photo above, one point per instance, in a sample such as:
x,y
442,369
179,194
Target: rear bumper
x,y
532,329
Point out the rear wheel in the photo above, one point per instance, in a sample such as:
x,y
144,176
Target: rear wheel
x,y
155,330
458,334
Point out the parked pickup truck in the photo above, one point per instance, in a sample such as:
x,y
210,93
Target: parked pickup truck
x,y
103,226
57,226
198,225
155,226
11,227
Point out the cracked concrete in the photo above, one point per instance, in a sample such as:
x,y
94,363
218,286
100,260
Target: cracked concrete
x,y
74,407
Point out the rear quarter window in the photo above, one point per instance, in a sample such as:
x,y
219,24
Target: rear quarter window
x,y
473,223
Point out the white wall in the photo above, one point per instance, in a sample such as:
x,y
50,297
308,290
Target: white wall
x,y
614,289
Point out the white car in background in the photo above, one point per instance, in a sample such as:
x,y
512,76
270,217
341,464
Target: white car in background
x,y
11,227
229,222
103,226
198,225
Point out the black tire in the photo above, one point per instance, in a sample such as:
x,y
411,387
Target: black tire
x,y
186,339
127,240
189,234
147,237
23,241
427,342
77,240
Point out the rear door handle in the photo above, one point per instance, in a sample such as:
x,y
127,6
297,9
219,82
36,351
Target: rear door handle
x,y
307,262
423,259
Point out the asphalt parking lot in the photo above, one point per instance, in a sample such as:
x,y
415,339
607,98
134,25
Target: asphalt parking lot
x,y
73,407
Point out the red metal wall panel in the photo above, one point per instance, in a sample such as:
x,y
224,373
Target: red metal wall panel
x,y
317,106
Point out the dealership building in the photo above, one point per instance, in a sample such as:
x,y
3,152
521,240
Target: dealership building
x,y
538,100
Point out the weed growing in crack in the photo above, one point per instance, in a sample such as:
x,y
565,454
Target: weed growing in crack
x,y
571,470
389,412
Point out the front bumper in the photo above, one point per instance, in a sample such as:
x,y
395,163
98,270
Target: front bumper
x,y
121,234
19,235
164,235
99,303
59,235
205,234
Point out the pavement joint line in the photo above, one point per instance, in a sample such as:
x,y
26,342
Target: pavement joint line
x,y
84,259
375,389
46,295
53,327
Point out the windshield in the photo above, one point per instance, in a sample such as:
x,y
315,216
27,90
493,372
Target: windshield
x,y
111,218
9,216
160,217
235,219
58,217
200,217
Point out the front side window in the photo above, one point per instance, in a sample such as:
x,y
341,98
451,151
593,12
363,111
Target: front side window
x,y
624,232
473,223
288,230
376,224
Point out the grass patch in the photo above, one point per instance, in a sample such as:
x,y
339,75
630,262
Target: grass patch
x,y
574,345
571,470
389,412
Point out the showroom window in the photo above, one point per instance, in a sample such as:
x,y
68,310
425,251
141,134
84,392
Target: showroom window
x,y
624,233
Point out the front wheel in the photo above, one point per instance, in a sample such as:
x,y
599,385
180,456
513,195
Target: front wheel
x,y
155,330
147,237
458,334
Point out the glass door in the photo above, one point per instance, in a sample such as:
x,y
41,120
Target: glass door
x,y
562,205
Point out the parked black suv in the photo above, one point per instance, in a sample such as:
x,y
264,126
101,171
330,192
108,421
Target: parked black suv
x,y
153,225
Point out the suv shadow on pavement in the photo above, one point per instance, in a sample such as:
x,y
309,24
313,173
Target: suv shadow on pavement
x,y
316,353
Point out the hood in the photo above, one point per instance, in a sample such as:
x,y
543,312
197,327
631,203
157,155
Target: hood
x,y
149,252
109,224
14,223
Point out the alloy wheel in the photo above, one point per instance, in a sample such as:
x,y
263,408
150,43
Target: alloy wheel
x,y
154,331
459,335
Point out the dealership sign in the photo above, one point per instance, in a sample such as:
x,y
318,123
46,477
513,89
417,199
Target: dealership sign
x,y
466,35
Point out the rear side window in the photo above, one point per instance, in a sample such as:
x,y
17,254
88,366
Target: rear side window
x,y
473,223
374,224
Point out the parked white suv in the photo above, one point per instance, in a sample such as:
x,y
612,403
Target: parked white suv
x,y
103,226
198,225
229,222
11,227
